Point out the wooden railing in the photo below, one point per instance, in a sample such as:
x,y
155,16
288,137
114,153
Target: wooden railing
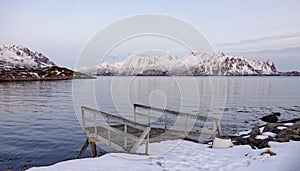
x,y
104,120
166,117
108,128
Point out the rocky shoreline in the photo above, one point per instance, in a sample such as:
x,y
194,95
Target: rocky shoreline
x,y
259,136
43,74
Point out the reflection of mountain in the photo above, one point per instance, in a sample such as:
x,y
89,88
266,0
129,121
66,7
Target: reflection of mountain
x,y
196,63
20,63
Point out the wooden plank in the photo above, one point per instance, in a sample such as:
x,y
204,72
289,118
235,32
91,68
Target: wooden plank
x,y
113,144
134,113
83,119
117,131
95,124
125,137
85,145
203,118
140,140
190,133
93,149
219,128
155,118
166,120
116,118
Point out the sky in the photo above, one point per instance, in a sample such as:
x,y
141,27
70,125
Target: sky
x,y
60,29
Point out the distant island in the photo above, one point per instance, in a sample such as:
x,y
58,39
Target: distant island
x,y
18,63
193,64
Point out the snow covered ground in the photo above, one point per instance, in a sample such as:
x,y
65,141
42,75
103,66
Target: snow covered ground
x,y
185,155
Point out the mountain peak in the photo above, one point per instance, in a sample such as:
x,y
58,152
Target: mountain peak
x,y
16,56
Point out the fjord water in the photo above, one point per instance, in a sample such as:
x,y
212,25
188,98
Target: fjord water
x,y
39,126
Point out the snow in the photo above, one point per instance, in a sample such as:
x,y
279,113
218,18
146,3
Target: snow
x,y
185,155
270,134
243,133
289,124
261,129
281,127
261,137
192,64
21,57
35,74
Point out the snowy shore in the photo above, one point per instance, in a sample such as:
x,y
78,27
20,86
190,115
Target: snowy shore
x,y
185,155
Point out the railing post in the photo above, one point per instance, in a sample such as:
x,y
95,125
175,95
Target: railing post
x,y
125,137
185,125
219,128
147,143
108,130
166,120
149,116
83,119
134,112
95,126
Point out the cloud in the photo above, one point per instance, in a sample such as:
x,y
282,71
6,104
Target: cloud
x,y
259,40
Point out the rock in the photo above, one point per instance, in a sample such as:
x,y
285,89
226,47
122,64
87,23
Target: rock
x,y
296,125
283,139
258,142
270,127
255,131
240,141
295,137
271,118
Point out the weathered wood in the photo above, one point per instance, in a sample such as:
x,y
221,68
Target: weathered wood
x,y
133,134
85,145
220,133
83,118
203,118
140,140
134,113
115,118
93,149
182,114
125,137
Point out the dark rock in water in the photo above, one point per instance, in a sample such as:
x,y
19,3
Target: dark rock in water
x,y
271,118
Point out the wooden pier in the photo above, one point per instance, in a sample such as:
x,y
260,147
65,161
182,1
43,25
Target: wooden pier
x,y
148,124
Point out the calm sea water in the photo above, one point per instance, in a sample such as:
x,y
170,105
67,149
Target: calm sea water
x,y
39,125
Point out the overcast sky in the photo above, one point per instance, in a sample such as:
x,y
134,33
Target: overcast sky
x,y
256,29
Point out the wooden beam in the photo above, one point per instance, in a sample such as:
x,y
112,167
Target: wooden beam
x,y
93,149
85,145
140,140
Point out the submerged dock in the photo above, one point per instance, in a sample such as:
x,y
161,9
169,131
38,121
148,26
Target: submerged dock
x,y
149,124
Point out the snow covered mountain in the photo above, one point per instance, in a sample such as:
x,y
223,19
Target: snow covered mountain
x,y
18,63
196,63
21,57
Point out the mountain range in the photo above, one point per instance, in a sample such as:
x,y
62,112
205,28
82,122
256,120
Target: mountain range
x,y
18,63
195,63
